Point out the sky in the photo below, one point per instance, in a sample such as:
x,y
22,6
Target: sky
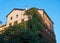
x,y
52,7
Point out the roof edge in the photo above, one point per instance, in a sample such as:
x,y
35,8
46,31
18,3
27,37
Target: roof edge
x,y
38,9
46,15
15,9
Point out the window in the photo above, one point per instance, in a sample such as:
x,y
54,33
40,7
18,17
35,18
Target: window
x,y
16,16
11,18
29,17
47,31
15,22
22,20
10,24
51,26
4,28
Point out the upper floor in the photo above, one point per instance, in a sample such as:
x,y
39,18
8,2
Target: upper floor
x,y
17,16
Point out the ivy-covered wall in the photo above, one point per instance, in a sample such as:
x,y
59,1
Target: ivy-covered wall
x,y
26,32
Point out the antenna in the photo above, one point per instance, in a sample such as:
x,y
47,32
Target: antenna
x,y
26,8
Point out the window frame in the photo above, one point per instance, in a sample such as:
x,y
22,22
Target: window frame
x,y
11,18
17,16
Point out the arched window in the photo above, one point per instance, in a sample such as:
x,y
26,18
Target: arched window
x,y
11,18
10,24
16,16
22,20
15,22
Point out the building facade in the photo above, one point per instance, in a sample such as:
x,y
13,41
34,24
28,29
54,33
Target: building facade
x,y
17,15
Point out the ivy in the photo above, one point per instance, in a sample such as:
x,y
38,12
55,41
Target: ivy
x,y
26,31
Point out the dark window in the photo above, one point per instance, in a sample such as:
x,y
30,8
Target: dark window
x,y
4,28
11,18
51,26
15,22
29,17
22,20
16,16
10,24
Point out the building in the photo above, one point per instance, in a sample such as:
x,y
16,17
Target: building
x,y
17,16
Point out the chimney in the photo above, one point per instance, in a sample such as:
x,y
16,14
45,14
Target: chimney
x,y
26,8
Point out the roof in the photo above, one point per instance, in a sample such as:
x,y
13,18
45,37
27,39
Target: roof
x,y
38,9
15,9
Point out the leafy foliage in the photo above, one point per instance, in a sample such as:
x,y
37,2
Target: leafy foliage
x,y
27,31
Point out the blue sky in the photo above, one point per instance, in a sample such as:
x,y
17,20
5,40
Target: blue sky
x,y
52,7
